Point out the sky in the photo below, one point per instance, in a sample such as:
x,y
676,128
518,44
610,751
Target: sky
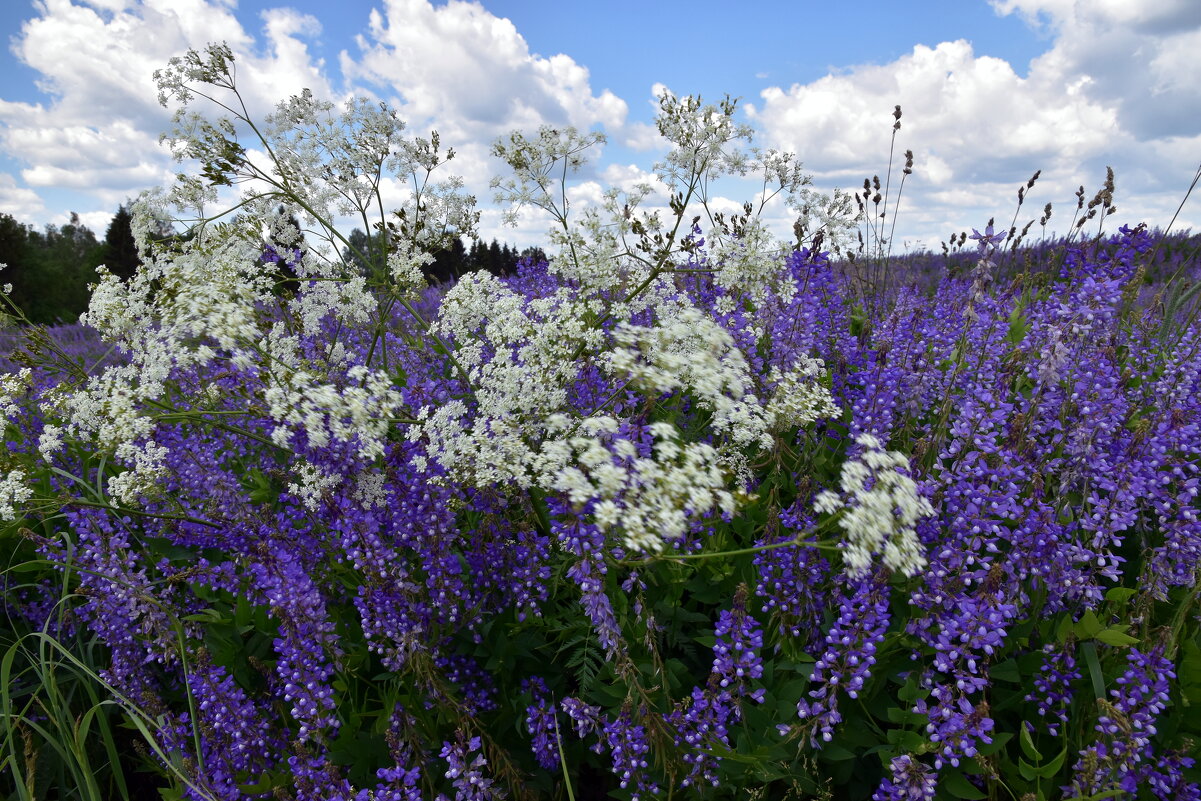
x,y
990,90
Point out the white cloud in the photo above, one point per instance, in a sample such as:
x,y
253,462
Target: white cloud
x,y
642,136
472,73
1140,57
99,132
1115,87
19,202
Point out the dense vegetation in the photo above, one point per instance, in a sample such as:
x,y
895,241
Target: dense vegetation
x,y
678,512
50,270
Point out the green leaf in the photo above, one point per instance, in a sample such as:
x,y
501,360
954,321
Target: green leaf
x,y
1051,768
1064,629
1094,668
1006,671
957,785
1113,636
836,753
1088,626
1028,744
208,616
998,742
1018,326
1120,594
1031,772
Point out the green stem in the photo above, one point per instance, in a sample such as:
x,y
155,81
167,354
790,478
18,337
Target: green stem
x,y
121,510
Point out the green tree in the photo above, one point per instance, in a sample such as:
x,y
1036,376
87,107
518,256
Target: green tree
x,y
119,250
59,266
14,252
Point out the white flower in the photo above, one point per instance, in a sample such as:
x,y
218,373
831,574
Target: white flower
x,y
748,263
405,265
799,399
689,350
311,484
13,385
13,491
881,507
51,441
647,500
359,407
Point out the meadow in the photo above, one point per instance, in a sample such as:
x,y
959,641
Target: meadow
x,y
683,512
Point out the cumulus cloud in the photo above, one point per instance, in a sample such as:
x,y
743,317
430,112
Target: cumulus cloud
x,y
454,67
98,134
1139,58
1113,88
19,202
473,73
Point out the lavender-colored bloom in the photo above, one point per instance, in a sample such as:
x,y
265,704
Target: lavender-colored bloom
x,y
702,720
1125,727
465,764
846,664
589,575
628,748
910,780
1053,686
792,581
540,722
235,735
306,639
585,718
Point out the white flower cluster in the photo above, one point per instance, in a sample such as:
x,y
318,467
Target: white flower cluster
x,y
361,408
347,299
405,265
799,398
108,410
13,491
591,254
519,358
701,136
147,465
648,499
748,263
690,351
166,318
881,506
13,385
311,484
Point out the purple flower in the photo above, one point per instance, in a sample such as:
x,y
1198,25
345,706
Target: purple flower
x,y
910,781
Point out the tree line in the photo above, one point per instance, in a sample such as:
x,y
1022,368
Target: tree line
x,y
50,269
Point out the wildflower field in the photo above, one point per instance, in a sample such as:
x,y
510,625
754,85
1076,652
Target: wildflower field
x,y
685,512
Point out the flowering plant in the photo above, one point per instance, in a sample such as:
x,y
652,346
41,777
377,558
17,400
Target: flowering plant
x,y
657,516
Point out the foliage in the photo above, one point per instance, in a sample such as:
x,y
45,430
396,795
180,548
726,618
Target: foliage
x,y
680,511
49,270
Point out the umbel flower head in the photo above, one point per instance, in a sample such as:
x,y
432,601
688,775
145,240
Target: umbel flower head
x,y
881,506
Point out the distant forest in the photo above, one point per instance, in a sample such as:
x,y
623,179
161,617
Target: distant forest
x,y
50,269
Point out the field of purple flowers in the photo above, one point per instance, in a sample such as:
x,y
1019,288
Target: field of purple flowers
x,y
730,527
402,635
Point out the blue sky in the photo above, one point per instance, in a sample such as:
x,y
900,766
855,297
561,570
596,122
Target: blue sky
x,y
991,91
